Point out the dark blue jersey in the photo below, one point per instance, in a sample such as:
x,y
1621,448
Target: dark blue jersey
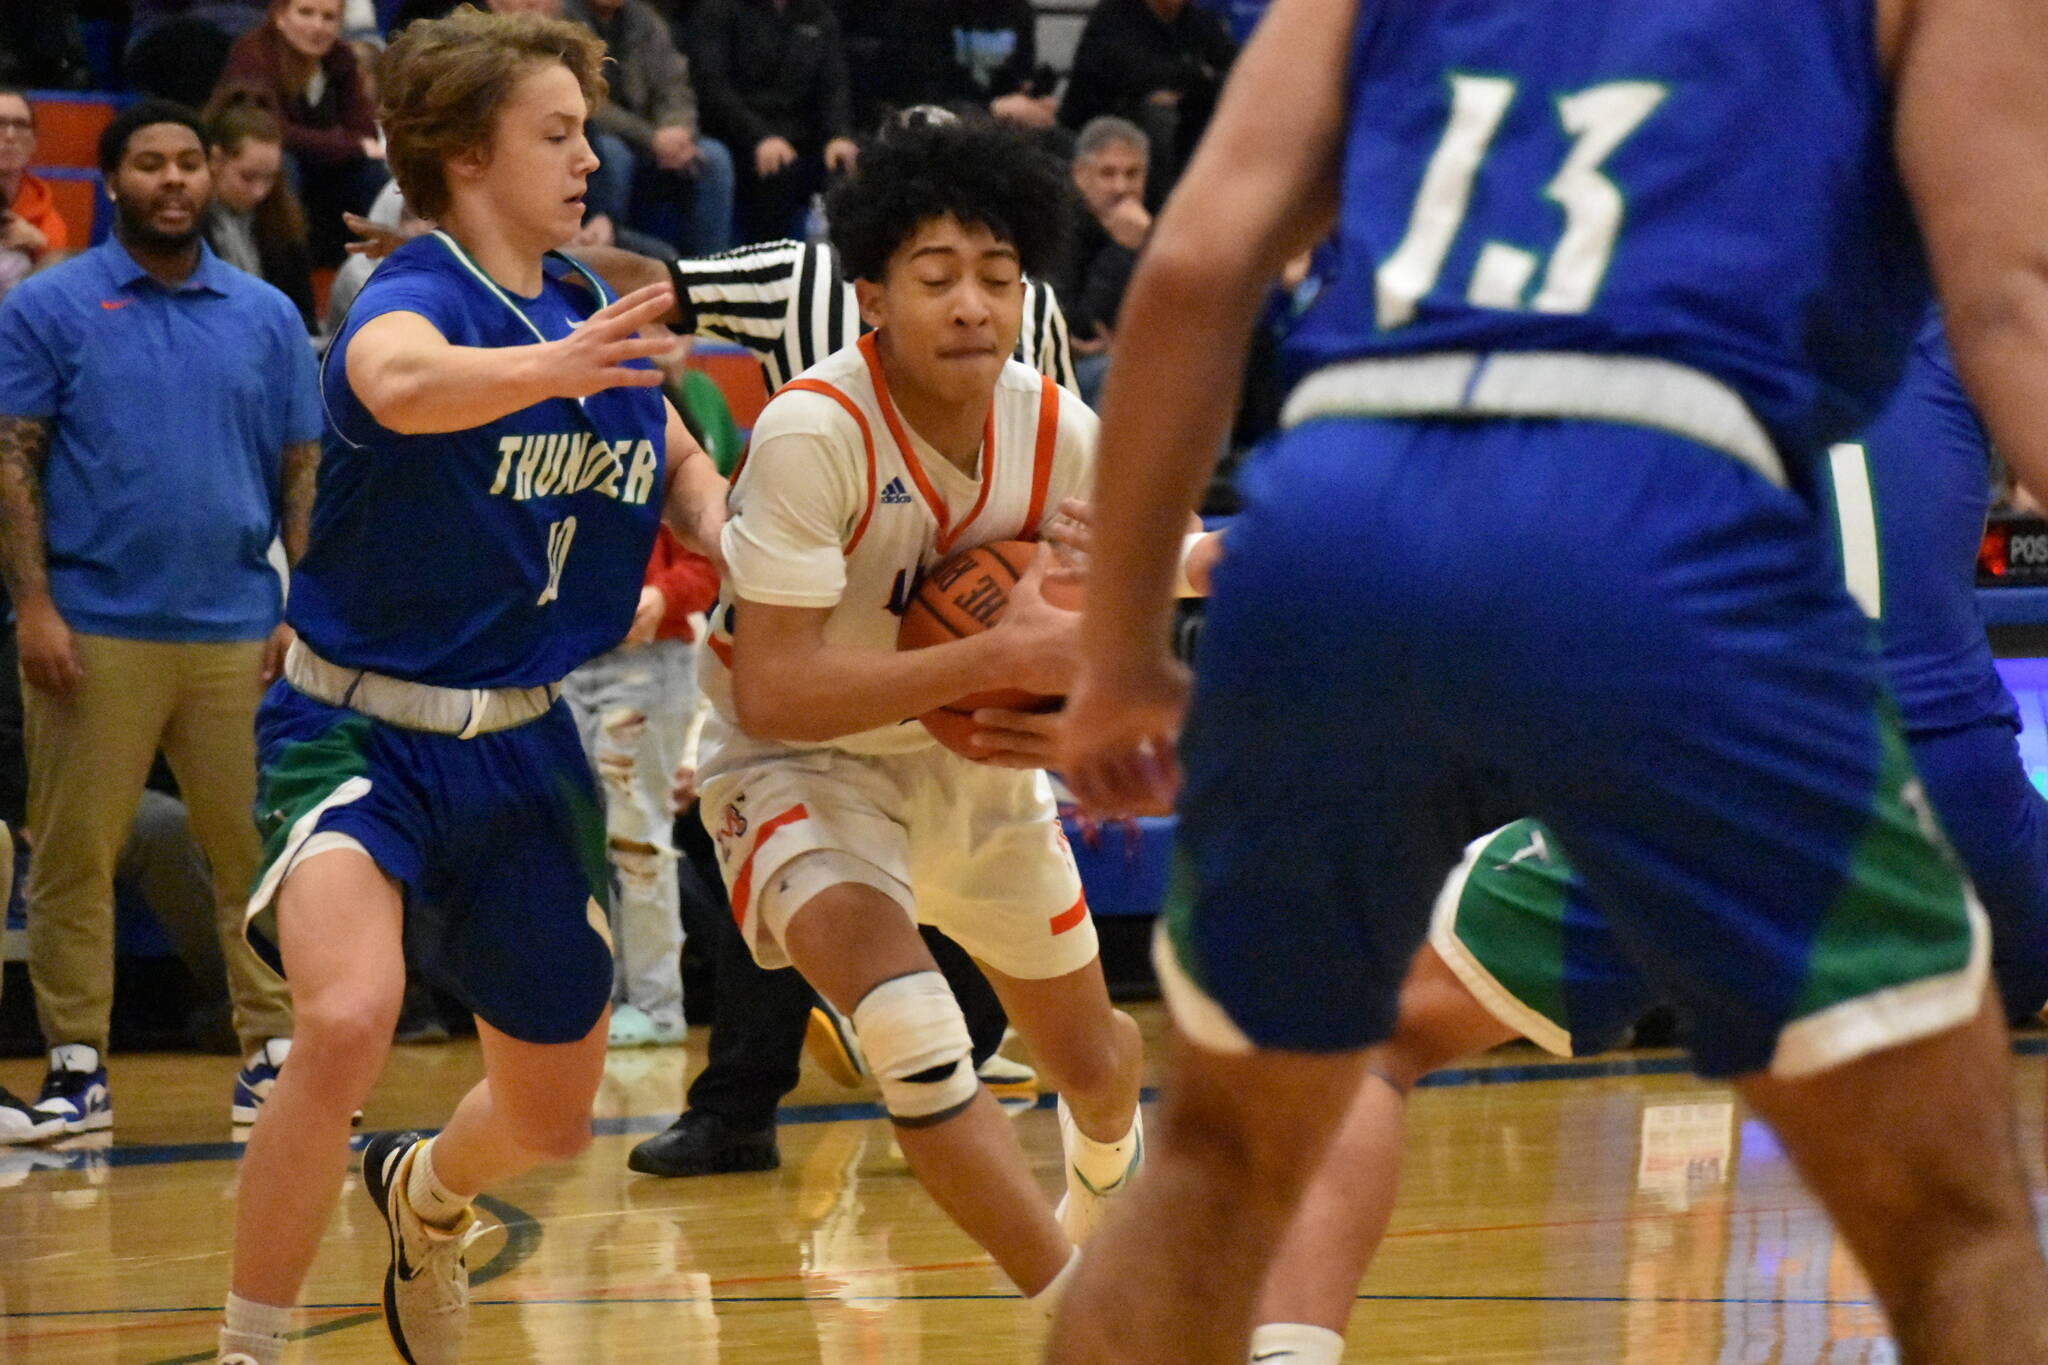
x,y
1709,182
1910,543
500,556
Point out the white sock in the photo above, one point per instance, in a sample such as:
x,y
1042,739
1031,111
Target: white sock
x,y
255,1330
1296,1343
436,1204
1102,1164
75,1057
1047,1300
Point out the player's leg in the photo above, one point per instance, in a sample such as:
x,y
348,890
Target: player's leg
x,y
1316,827
1927,1188
1343,1217
1784,888
863,953
532,1107
1093,1056
1175,1272
340,932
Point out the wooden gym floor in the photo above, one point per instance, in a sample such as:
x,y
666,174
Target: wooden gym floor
x,y
1564,1213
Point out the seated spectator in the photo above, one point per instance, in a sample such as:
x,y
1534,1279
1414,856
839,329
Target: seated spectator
x,y
296,63
771,76
32,232
657,174
1158,63
255,223
1110,160
177,48
979,52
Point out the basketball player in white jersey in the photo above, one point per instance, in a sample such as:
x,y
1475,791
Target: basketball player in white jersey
x,y
840,823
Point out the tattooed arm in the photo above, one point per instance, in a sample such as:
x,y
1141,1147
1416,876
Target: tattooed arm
x,y
301,462
48,658
301,469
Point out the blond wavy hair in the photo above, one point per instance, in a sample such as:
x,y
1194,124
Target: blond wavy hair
x,y
442,82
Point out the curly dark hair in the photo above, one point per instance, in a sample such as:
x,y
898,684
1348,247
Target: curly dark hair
x,y
980,171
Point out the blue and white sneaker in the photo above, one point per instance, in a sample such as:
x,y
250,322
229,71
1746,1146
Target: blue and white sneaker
x,y
256,1079
75,1098
18,1122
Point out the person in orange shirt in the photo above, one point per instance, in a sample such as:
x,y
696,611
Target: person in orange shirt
x,y
32,232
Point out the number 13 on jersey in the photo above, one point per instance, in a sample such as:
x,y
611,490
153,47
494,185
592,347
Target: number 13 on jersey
x,y
1598,119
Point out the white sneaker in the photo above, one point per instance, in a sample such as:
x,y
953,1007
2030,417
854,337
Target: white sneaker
x,y
18,1122
1086,1202
426,1286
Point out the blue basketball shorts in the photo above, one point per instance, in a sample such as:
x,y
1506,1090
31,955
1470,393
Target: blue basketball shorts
x,y
498,842
1650,645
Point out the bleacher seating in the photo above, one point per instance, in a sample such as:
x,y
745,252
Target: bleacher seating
x,y
68,128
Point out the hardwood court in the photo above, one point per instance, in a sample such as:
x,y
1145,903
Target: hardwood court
x,y
1571,1214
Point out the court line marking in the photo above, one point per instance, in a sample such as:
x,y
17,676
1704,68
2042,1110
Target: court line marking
x,y
167,1154
657,1300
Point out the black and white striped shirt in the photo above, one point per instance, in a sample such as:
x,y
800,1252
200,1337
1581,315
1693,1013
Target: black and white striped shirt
x,y
785,302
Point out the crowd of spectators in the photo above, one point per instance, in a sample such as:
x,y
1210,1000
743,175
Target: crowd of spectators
x,y
727,118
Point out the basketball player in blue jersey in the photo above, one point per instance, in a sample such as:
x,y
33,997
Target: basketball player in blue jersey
x,y
1612,278
1515,950
495,464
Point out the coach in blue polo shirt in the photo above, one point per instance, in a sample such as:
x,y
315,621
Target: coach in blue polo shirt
x,y
159,425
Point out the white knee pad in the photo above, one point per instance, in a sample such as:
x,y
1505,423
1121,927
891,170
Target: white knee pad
x,y
917,1046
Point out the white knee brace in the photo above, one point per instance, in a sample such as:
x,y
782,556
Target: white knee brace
x,y
916,1043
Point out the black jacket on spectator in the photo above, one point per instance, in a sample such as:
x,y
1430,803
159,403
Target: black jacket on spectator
x,y
1091,286
960,51
1127,51
768,71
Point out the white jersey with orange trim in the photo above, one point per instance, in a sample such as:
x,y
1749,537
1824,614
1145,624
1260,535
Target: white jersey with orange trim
x,y
839,504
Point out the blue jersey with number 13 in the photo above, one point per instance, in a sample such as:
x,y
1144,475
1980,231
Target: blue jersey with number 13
x,y
1704,181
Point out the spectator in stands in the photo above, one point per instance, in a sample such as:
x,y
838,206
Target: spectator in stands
x,y
255,222
655,173
1158,63
1110,160
978,52
159,425
771,75
297,64
176,48
32,232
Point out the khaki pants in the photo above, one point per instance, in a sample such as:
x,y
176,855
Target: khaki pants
x,y
88,757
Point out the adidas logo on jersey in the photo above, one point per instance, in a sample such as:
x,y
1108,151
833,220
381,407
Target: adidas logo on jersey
x,y
895,492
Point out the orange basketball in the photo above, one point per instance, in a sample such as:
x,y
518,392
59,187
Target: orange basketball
x,y
964,596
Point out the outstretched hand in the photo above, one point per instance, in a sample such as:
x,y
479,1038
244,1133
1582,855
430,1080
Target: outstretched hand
x,y
595,356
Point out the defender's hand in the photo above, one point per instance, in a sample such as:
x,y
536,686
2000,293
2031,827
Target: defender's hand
x,y
1118,732
593,357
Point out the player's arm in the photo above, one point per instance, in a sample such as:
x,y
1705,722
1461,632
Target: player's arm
x,y
414,381
791,683
1259,191
1972,126
48,658
693,504
300,463
626,271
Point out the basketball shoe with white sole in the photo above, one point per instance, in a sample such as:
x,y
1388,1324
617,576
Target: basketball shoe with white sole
x,y
426,1286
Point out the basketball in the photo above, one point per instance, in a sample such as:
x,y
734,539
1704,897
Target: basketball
x,y
964,596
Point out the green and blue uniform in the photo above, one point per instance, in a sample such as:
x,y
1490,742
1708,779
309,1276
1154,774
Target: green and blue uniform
x,y
499,557
1610,279
1910,498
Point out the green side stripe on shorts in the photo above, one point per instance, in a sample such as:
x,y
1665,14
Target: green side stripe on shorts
x,y
1178,908
304,775
587,829
1901,915
1511,916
